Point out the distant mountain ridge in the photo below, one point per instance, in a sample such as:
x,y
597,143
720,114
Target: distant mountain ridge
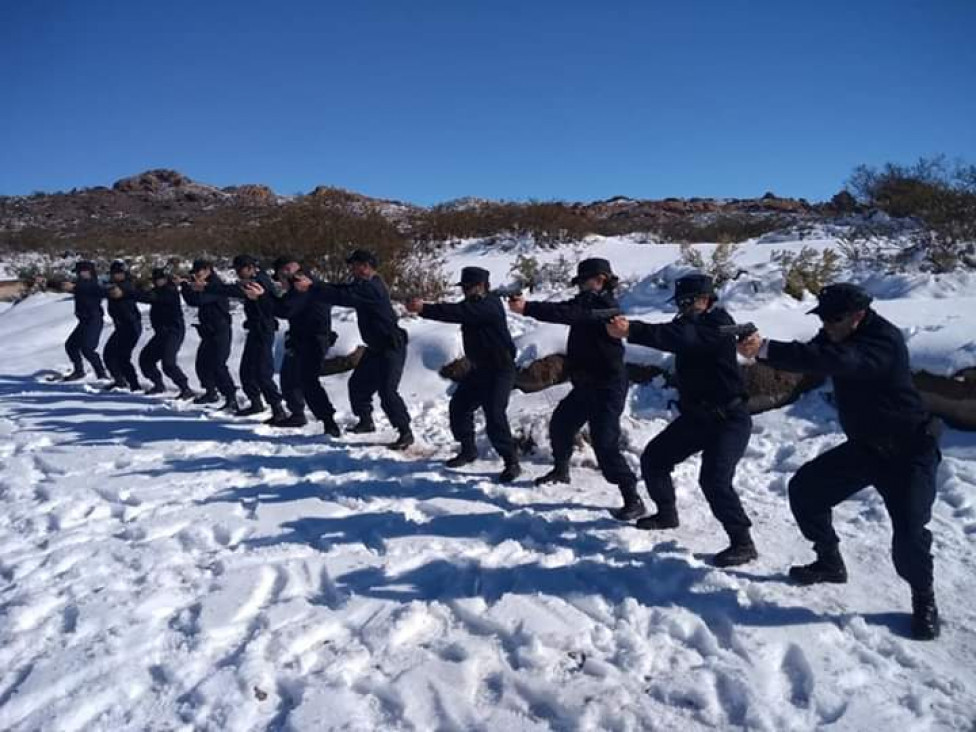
x,y
163,199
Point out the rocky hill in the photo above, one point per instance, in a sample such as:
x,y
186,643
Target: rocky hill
x,y
166,199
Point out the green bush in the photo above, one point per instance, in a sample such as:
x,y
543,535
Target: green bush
x,y
807,270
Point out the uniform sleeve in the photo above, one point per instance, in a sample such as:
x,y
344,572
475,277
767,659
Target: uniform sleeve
x,y
678,335
333,294
466,312
568,312
146,296
858,358
222,289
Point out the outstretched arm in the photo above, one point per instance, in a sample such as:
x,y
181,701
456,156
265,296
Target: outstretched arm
x,y
862,358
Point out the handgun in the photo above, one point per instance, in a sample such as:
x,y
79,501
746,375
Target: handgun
x,y
603,315
507,293
741,331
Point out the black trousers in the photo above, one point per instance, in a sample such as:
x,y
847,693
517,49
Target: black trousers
x,y
301,375
163,347
906,482
211,361
489,391
380,372
600,406
722,440
257,369
83,342
291,380
118,354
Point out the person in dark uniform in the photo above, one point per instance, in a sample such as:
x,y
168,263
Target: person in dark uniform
x,y
166,318
214,327
258,292
122,308
714,419
381,367
595,362
892,442
488,385
307,342
83,341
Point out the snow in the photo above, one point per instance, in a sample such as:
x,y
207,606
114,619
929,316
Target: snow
x,y
162,567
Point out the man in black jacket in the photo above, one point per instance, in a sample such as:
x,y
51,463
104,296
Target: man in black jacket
x,y
490,351
595,362
307,342
214,327
122,308
713,420
257,360
166,318
892,442
381,367
83,341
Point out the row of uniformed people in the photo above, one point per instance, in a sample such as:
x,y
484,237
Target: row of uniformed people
x,y
892,442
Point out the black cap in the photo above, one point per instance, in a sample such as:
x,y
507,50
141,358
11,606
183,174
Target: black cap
x,y
591,268
474,276
363,256
118,266
159,273
841,299
244,260
281,261
693,285
200,265
85,265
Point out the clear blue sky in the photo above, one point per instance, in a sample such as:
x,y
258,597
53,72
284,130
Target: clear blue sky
x,y
426,101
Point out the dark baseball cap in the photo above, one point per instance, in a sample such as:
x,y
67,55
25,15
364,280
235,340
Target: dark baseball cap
x,y
200,265
591,268
244,260
693,285
363,256
473,276
841,299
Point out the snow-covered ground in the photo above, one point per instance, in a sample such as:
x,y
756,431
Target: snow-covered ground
x,y
162,567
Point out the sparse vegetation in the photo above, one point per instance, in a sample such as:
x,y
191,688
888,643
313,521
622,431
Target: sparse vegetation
x,y
939,195
806,270
720,265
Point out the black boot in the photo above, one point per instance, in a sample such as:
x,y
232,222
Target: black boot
x,y
75,375
404,441
511,472
135,386
363,426
829,567
230,404
741,550
633,505
278,416
330,427
665,518
925,616
558,474
186,393
156,388
208,397
292,420
467,454
255,407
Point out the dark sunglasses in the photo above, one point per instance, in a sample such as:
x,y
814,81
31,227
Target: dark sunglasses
x,y
687,301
